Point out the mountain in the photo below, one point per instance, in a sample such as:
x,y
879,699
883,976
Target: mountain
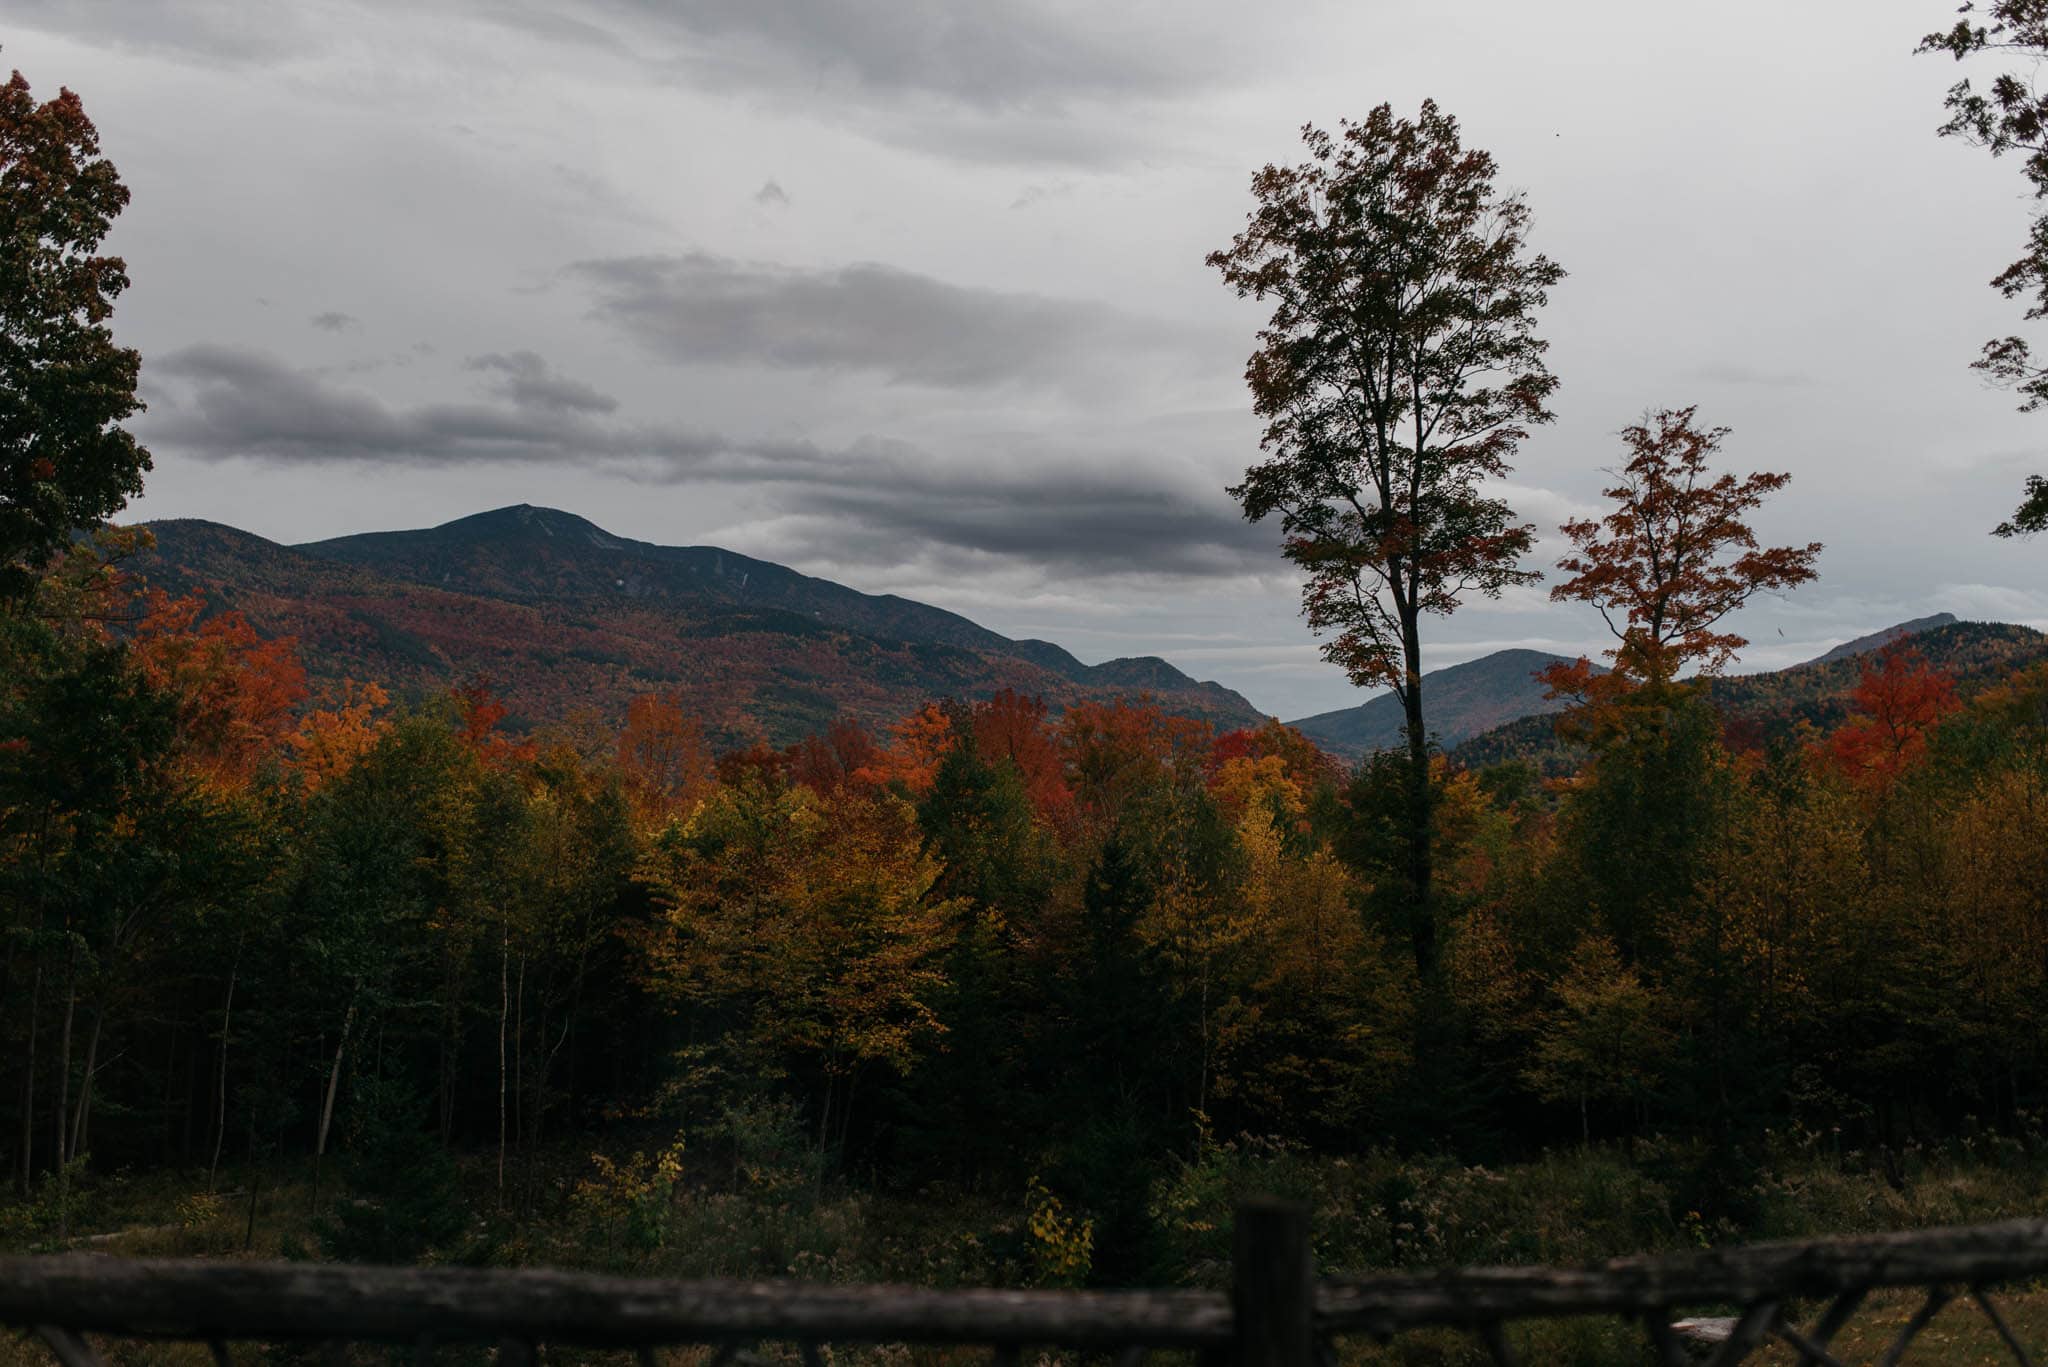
x,y
1460,701
1777,703
567,621
1467,701
1878,640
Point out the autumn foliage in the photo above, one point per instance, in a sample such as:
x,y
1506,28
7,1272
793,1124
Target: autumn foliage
x,y
238,694
1676,556
1898,703
1082,967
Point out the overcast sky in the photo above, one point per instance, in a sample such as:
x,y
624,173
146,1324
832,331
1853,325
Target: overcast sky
x,y
910,293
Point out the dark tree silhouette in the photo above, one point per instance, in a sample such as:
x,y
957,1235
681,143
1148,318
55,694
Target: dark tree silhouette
x,y
65,388
1399,370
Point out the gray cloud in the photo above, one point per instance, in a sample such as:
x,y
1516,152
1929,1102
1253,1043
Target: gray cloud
x,y
225,401
1037,194
1093,516
529,382
1017,80
335,321
212,32
908,328
873,500
1736,373
991,54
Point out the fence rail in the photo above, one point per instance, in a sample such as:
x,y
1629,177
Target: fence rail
x,y
1275,1315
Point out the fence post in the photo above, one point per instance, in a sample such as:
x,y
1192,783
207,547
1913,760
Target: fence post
x,y
1272,1285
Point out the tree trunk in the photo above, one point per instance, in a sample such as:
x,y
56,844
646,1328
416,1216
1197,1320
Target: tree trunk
x,y
504,1013
83,1114
255,1184
220,1117
824,1134
576,1012
28,1085
519,1060
1422,915
64,1096
327,1106
249,1226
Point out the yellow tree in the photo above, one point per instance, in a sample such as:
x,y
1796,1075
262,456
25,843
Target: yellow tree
x,y
803,930
330,740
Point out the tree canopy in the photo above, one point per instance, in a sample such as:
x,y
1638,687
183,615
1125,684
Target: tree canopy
x,y
2009,116
1675,556
1398,371
65,460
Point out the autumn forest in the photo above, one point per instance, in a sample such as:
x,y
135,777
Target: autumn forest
x,y
1016,989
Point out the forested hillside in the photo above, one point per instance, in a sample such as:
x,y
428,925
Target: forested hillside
x,y
571,623
983,947
1788,705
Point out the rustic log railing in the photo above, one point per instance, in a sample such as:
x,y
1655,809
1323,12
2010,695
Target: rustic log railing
x,y
1275,1315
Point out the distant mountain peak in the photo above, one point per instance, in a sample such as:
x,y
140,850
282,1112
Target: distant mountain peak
x,y
1878,640
1462,700
528,520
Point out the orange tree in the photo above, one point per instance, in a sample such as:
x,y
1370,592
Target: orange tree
x,y
1399,370
1673,559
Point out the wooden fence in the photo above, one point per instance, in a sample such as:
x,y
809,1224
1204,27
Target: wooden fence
x,y
1276,1314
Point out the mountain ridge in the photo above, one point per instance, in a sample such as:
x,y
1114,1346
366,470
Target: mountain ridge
x,y
562,616
1496,692
1878,640
1460,700
1779,703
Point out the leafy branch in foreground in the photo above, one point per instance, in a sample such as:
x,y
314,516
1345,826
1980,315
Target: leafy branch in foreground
x,y
2011,115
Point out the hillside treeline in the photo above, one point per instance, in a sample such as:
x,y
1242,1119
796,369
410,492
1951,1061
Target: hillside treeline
x,y
991,948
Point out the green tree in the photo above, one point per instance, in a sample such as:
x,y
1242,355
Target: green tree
x,y
1637,830
65,388
972,1098
1603,1040
1399,370
2033,511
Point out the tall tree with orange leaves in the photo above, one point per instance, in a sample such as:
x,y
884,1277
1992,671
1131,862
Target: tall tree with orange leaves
x,y
330,740
237,693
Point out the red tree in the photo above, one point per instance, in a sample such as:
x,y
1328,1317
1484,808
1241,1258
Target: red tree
x,y
1898,702
1012,726
1673,559
827,763
479,710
